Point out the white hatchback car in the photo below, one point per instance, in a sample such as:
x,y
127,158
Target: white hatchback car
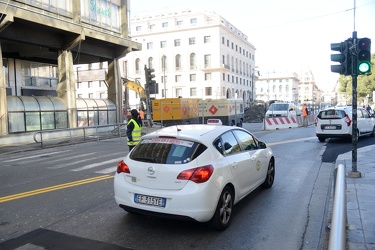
x,y
337,122
195,172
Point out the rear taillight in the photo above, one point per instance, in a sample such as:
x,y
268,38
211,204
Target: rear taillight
x,y
122,167
347,120
198,175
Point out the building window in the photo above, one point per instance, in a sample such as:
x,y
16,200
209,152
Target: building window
x,y
91,95
208,91
193,91
90,84
164,79
223,76
179,23
193,21
150,63
163,44
207,39
164,25
223,40
193,77
193,62
137,68
151,27
191,40
105,14
177,42
79,95
207,76
138,28
149,45
178,78
178,92
164,92
178,62
207,61
227,43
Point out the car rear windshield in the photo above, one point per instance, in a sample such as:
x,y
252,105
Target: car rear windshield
x,y
278,107
167,151
332,114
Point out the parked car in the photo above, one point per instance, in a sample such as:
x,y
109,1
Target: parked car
x,y
194,172
336,122
281,109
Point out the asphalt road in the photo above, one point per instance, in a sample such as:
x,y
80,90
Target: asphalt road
x,y
62,198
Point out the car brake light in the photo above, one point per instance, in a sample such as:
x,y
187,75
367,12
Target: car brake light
x,y
122,167
348,120
198,175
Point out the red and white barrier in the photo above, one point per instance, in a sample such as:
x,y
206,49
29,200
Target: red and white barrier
x,y
274,123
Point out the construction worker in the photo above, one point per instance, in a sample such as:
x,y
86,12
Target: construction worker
x,y
141,114
133,129
305,113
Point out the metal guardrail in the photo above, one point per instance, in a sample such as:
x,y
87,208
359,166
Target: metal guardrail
x,y
86,133
337,236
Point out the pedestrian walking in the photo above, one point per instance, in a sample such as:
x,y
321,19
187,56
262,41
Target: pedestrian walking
x,y
133,129
305,114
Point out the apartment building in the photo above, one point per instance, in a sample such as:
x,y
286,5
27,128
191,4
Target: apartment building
x,y
195,54
282,86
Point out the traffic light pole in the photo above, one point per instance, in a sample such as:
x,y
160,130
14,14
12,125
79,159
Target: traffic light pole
x,y
354,172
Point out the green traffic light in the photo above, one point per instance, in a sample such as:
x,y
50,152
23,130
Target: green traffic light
x,y
364,67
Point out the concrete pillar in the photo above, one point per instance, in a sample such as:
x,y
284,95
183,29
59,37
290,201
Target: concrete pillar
x,y
3,98
66,88
115,87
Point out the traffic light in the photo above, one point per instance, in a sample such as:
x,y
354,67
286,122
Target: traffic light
x,y
344,58
363,56
149,76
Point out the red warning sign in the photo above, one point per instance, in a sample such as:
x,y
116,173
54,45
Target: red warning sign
x,y
213,109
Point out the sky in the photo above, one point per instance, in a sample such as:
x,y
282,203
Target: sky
x,y
289,35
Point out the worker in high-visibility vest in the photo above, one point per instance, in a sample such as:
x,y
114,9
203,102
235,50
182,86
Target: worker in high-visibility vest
x,y
305,114
133,130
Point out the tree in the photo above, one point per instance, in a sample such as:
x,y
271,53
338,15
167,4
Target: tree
x,y
365,84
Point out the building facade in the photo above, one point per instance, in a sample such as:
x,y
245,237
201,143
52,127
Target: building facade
x,y
194,54
40,42
281,86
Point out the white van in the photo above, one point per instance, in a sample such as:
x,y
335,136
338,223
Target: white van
x,y
278,109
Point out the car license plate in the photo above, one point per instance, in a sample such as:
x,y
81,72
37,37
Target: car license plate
x,y
329,127
149,200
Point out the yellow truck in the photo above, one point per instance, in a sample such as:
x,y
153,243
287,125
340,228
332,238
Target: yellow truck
x,y
172,111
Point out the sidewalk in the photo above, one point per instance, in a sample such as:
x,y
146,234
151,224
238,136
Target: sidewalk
x,y
360,198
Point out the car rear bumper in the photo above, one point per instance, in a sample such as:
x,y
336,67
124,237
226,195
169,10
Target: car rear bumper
x,y
333,135
195,201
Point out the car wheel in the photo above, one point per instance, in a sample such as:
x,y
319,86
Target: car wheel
x,y
321,139
373,132
270,177
223,212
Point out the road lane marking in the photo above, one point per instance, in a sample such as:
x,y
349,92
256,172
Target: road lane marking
x,y
94,165
35,156
290,141
107,170
54,188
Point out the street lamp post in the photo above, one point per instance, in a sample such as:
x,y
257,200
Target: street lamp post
x,y
165,89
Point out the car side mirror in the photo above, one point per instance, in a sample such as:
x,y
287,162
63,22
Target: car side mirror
x,y
227,146
262,144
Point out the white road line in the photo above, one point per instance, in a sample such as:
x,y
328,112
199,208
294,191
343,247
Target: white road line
x,y
73,157
35,156
107,170
96,164
289,141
